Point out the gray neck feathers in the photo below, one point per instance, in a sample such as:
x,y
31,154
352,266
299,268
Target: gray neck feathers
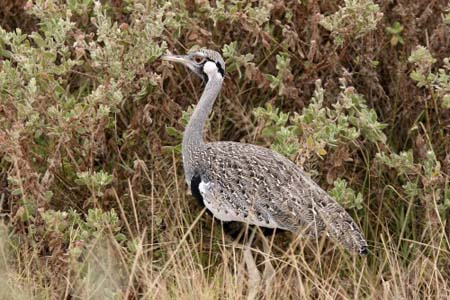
x,y
193,135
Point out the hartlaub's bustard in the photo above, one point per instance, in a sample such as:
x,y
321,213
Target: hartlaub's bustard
x,y
251,184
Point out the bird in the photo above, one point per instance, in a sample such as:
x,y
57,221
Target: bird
x,y
240,182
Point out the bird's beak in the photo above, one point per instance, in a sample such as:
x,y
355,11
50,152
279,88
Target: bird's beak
x,y
177,58
184,60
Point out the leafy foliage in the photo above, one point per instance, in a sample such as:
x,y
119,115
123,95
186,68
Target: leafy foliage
x,y
353,20
395,30
438,82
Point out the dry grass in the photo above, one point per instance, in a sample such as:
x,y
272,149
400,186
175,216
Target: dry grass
x,y
194,259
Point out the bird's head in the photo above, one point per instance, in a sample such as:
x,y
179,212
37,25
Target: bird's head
x,y
204,63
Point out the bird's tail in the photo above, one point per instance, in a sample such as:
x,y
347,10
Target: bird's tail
x,y
342,229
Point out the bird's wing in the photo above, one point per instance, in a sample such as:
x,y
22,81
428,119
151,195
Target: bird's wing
x,y
252,184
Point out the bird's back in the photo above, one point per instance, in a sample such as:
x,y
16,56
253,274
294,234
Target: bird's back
x,y
252,184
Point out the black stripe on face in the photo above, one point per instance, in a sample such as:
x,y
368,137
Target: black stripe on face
x,y
220,69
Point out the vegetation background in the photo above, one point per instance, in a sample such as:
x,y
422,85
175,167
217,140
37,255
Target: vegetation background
x,y
92,193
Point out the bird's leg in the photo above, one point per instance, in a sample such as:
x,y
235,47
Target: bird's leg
x,y
254,277
269,271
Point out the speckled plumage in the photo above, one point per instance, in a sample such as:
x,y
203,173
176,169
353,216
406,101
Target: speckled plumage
x,y
252,184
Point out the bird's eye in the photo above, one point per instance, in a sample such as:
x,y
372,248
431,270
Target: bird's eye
x,y
199,59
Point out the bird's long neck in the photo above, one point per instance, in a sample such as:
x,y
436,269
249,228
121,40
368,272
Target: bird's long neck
x,y
193,135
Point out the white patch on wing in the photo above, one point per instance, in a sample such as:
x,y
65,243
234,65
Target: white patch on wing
x,y
205,187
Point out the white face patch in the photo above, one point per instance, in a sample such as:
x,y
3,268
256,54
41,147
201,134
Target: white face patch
x,y
210,68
